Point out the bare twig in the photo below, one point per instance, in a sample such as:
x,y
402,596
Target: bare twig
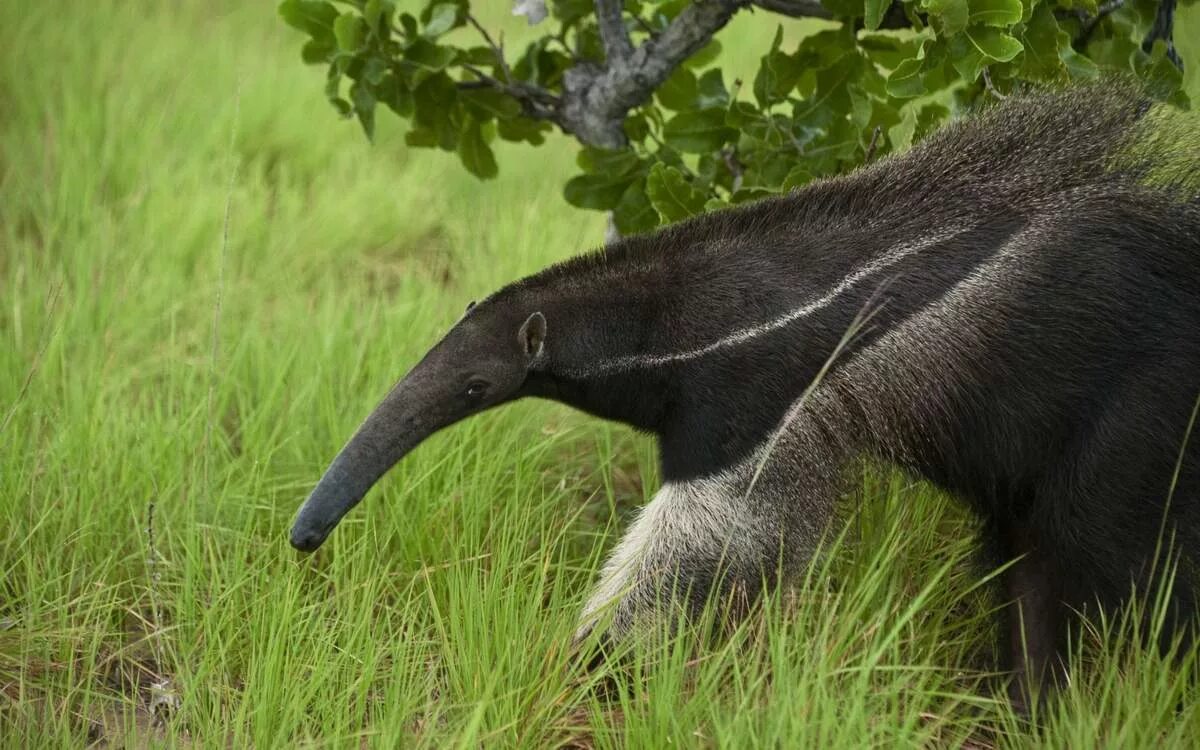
x,y
537,102
1089,23
645,26
795,8
614,35
873,144
1162,28
735,167
497,49
893,18
991,88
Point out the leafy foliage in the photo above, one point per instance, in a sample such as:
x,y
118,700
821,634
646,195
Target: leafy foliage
x,y
847,92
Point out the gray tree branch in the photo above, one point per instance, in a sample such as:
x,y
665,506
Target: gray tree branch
x,y
1164,22
795,8
614,35
595,100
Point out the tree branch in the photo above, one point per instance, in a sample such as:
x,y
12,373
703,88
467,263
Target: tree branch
x,y
614,35
536,102
795,8
497,49
1088,24
596,100
1164,22
894,18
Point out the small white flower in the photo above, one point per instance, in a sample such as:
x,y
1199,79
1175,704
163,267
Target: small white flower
x,y
533,10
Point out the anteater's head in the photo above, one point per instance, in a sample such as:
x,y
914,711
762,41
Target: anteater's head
x,y
483,361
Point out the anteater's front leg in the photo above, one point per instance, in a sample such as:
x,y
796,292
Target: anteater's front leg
x,y
716,538
690,537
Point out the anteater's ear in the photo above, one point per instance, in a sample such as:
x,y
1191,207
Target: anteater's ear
x,y
532,335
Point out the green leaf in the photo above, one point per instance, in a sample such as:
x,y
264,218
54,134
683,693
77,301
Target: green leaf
x,y
594,191
746,195
796,177
844,8
952,14
1187,44
609,163
905,81
679,91
442,18
421,138
426,58
437,109
364,107
523,129
1002,13
901,134
377,13
489,103
333,91
874,11
374,69
1163,78
710,90
351,32
569,11
636,127
888,50
1077,65
672,195
698,132
1042,39
634,213
312,17
707,55
777,74
994,44
391,91
474,152
408,24
979,47
1090,7
314,52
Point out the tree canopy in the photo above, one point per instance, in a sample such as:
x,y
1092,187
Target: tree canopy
x,y
665,132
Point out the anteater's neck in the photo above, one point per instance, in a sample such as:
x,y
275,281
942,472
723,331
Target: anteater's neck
x,y
706,340
709,334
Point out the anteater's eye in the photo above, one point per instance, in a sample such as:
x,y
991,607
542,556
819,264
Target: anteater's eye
x,y
475,389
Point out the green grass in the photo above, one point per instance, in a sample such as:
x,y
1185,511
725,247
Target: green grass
x,y
167,398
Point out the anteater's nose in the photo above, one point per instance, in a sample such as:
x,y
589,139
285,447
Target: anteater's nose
x,y
307,539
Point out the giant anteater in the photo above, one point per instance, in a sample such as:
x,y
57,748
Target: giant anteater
x,y
1029,278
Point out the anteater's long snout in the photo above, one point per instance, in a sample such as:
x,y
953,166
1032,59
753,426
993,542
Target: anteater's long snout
x,y
382,440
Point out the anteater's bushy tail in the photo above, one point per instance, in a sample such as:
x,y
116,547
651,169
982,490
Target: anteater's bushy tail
x,y
1050,141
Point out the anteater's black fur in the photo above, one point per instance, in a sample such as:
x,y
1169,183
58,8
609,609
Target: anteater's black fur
x,y
1037,354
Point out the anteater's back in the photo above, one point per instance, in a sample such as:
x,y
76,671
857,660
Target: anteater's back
x,y
1052,376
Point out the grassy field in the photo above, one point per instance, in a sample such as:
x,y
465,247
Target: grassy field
x,y
207,280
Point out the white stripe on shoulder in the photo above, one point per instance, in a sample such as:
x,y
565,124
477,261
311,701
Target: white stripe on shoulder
x,y
743,335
